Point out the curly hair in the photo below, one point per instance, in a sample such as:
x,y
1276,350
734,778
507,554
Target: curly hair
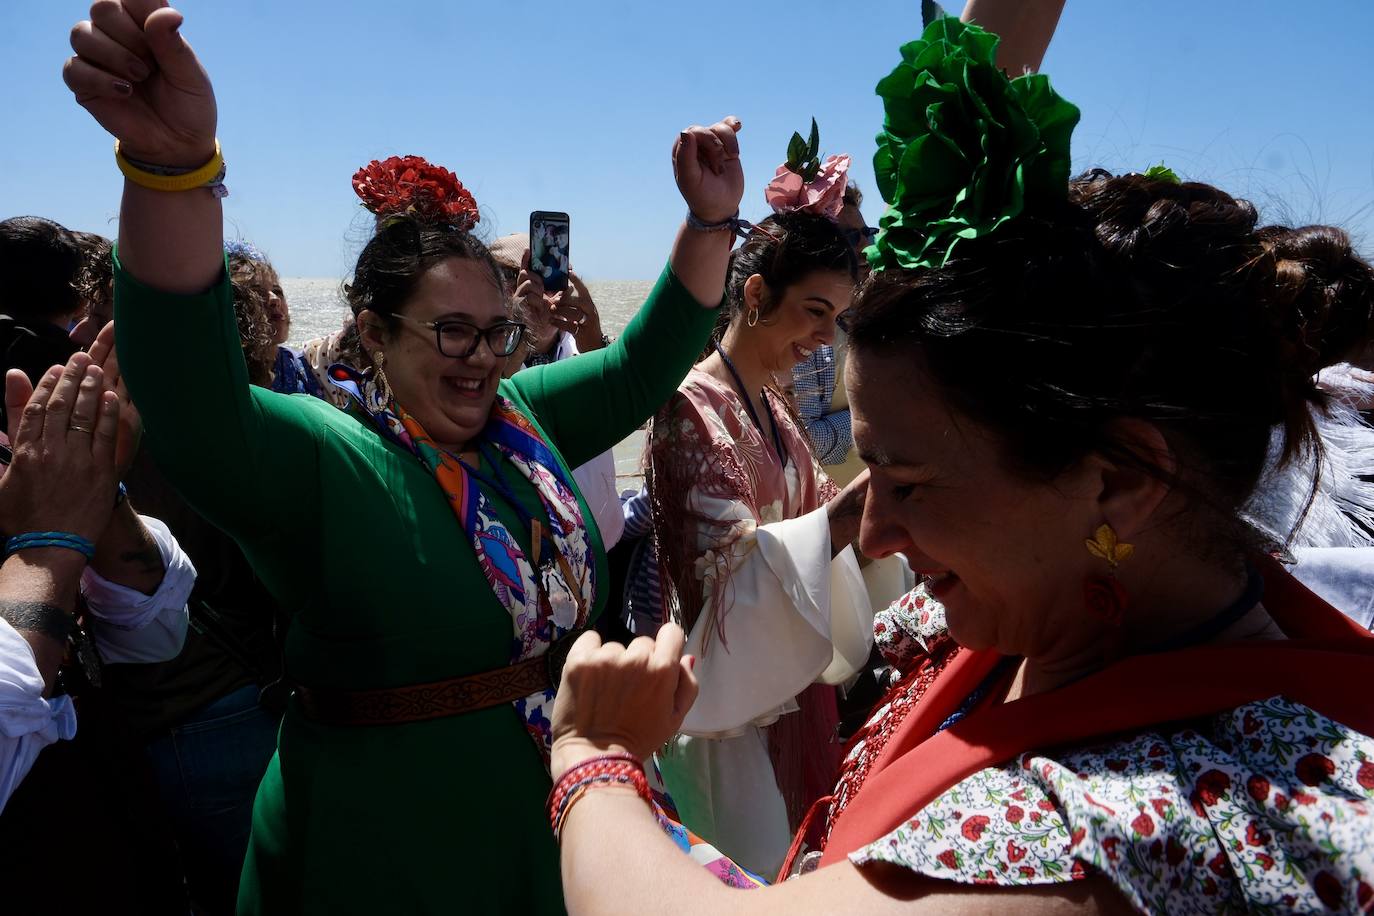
x,y
248,277
94,283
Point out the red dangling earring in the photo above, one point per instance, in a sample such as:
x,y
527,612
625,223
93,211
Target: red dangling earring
x,y
1105,595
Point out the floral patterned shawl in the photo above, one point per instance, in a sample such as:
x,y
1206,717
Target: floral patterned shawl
x,y
548,593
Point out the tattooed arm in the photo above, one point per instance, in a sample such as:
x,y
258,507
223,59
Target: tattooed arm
x,y
136,590
126,554
37,598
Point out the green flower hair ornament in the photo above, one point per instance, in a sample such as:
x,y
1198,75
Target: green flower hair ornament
x,y
963,149
1162,172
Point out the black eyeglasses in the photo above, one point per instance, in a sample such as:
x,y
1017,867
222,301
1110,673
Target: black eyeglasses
x,y
458,339
858,238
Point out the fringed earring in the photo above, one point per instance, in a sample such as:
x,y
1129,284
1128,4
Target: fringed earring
x,y
1105,595
383,387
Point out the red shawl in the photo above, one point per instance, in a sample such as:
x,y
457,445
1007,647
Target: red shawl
x,y
1327,664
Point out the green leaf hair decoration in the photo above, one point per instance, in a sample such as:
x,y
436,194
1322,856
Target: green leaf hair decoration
x,y
963,149
1162,172
803,156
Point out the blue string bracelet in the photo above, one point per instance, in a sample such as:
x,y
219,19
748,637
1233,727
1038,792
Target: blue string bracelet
x,y
37,539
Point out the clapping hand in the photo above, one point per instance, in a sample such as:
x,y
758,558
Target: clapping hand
x,y
707,169
142,82
63,434
103,354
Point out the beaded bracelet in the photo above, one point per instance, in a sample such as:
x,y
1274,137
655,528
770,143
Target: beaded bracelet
x,y
167,178
596,772
36,539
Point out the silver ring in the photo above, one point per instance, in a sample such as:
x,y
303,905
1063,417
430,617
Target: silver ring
x,y
80,429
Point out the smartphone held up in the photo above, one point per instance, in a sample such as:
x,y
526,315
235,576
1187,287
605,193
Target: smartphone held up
x,y
549,248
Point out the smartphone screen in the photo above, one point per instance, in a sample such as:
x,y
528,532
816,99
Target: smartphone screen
x,y
549,248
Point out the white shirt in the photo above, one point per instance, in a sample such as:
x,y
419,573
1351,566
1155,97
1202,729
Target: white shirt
x,y
126,625
596,478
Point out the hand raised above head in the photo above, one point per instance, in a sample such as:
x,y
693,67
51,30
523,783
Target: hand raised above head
x,y
142,82
707,169
574,308
529,290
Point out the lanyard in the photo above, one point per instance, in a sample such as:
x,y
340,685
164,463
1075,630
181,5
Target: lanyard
x,y
778,445
501,485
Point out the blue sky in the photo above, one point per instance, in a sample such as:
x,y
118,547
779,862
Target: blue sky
x,y
575,107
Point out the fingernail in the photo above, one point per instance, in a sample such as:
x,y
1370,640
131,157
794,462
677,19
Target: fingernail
x,y
139,70
123,87
691,663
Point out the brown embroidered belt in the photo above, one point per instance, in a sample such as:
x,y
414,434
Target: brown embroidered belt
x,y
438,699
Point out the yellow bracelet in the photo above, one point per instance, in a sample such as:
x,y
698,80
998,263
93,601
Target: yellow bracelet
x,y
207,174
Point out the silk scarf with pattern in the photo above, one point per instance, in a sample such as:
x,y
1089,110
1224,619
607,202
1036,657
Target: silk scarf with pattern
x,y
548,594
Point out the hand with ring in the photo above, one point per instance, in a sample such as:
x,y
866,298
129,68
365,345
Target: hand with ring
x,y
63,435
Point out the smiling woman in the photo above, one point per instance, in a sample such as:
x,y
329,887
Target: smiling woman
x,y
743,513
452,554
414,273
1066,390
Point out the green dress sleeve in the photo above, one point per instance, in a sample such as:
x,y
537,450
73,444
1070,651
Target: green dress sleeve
x,y
589,403
237,453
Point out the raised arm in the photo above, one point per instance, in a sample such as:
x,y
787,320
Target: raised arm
x,y
1024,26
230,449
171,241
590,403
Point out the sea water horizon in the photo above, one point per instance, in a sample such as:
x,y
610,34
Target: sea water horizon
x,y
318,308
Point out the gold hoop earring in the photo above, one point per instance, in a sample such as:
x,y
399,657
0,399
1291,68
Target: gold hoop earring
x,y
752,318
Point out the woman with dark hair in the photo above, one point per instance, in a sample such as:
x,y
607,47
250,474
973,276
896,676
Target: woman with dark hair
x,y
450,556
746,525
1112,696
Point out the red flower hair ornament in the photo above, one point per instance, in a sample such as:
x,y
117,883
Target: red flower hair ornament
x,y
412,186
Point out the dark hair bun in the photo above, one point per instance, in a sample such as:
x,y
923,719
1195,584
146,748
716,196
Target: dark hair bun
x,y
1306,298
1321,297
1137,298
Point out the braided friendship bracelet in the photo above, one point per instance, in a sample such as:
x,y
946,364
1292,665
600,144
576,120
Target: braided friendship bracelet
x,y
35,539
734,225
170,178
597,772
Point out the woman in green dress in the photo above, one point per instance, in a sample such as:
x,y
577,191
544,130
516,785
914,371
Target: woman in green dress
x,y
451,547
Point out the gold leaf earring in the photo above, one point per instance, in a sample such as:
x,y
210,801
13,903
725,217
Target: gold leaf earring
x,y
383,386
1105,596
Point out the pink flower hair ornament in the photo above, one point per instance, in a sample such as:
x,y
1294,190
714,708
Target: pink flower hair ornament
x,y
805,184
